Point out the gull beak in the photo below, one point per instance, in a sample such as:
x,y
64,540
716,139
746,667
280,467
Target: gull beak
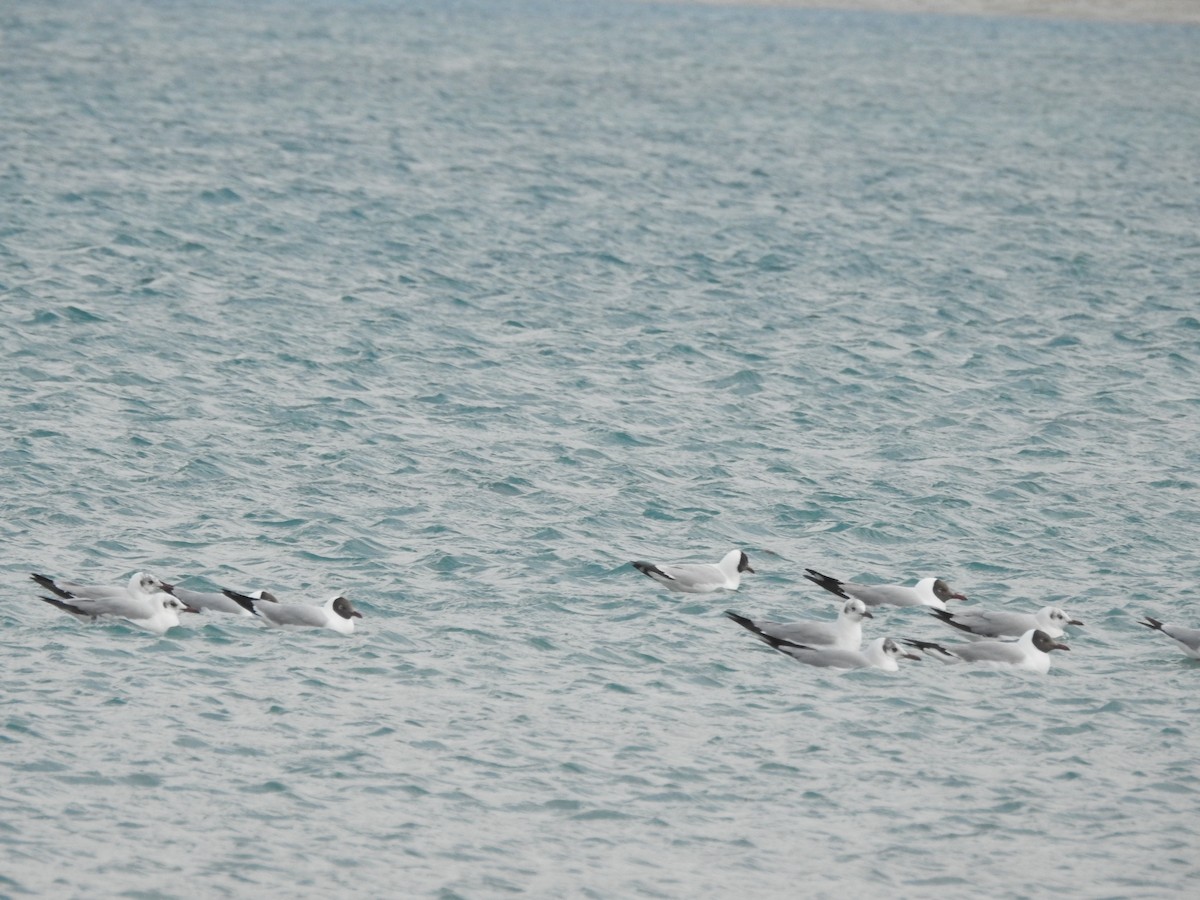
x,y
958,596
867,614
169,588
912,656
1060,647
1075,622
356,614
190,609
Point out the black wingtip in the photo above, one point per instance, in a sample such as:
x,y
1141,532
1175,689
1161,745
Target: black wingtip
x,y
246,603
65,607
1152,623
48,584
783,645
927,645
830,584
649,569
742,620
773,641
948,617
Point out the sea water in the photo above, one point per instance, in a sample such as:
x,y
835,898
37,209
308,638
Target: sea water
x,y
457,308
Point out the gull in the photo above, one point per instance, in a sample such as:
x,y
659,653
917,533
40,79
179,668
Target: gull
x,y
881,653
1031,653
699,578
997,623
212,602
144,601
927,592
844,634
1187,638
336,614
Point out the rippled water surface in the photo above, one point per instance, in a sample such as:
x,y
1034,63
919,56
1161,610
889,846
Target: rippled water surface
x,y
456,308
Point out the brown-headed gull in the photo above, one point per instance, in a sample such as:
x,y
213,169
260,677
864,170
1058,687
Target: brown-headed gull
x,y
1031,653
927,592
1188,639
881,653
145,601
845,633
337,613
1000,623
699,578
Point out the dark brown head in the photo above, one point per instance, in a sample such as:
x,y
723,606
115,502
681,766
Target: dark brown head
x,y
1045,643
343,608
942,591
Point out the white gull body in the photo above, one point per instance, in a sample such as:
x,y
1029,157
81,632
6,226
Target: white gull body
x,y
145,601
1188,639
881,653
1031,653
844,633
699,578
336,614
932,592
1001,623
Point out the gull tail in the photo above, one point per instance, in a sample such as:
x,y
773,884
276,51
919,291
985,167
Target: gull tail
x,y
650,570
948,617
830,584
67,607
246,603
48,584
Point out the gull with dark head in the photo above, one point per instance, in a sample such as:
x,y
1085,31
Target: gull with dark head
x,y
699,578
1031,653
927,592
336,614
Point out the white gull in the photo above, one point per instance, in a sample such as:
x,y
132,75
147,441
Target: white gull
x,y
337,613
844,633
1001,623
881,653
145,601
1188,639
699,578
1031,653
927,592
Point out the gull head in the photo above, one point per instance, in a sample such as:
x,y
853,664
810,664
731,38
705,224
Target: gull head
x,y
855,610
1045,643
344,608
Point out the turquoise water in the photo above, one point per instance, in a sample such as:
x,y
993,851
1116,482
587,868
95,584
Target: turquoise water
x,y
456,308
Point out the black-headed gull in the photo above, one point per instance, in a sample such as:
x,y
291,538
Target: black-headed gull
x,y
699,578
845,633
145,601
927,592
1000,623
1187,638
1031,653
337,614
881,653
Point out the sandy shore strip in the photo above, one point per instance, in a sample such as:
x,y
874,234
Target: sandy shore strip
x,y
1159,11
